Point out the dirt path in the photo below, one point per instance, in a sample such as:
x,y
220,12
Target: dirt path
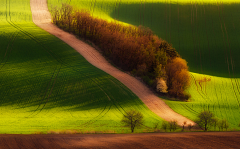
x,y
129,141
42,18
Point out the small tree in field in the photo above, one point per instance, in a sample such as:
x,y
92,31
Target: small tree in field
x,y
215,123
190,126
132,119
172,125
156,126
183,125
164,125
223,124
205,119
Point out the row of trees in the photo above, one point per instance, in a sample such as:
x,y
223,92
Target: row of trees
x,y
205,121
134,49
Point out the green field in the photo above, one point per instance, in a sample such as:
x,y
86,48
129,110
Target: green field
x,y
46,85
205,33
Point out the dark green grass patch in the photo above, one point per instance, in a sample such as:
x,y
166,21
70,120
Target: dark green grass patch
x,y
206,35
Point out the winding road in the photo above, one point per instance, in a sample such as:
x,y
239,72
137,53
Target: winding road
x,y
42,18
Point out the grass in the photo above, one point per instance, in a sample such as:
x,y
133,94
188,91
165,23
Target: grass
x,y
45,85
205,33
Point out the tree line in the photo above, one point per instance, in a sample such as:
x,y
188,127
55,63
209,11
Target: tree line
x,y
205,121
134,49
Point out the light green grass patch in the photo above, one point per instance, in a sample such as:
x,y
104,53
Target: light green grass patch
x,y
218,95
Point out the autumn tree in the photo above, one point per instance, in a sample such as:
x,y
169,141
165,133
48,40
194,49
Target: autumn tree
x,y
132,119
178,77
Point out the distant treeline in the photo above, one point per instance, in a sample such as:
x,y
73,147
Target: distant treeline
x,y
134,49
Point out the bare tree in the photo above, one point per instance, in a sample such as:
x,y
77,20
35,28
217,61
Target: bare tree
x,y
132,119
205,119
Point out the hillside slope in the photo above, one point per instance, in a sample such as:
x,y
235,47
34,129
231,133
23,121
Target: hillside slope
x,y
205,33
154,103
46,85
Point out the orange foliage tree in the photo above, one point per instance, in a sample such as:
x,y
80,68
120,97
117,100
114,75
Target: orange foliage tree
x,y
178,78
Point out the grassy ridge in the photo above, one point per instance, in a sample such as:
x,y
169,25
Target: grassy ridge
x,y
46,85
205,34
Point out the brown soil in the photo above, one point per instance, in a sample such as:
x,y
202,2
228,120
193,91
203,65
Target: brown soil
x,y
129,141
42,18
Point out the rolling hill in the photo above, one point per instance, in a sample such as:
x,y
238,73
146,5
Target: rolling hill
x,y
205,33
46,85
